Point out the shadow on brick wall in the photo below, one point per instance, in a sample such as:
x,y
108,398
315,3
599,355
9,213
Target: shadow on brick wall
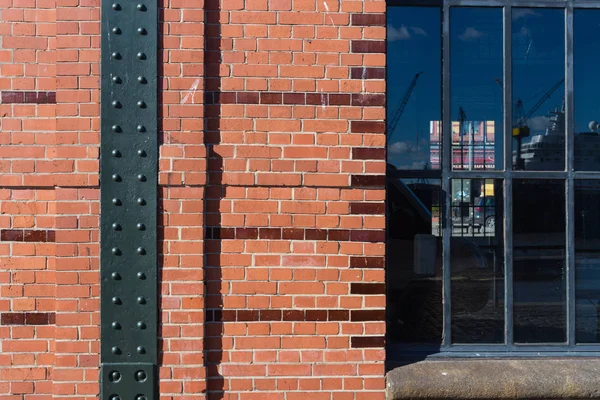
x,y
215,191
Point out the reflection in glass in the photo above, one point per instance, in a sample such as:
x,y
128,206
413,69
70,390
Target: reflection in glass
x,y
477,260
587,261
538,51
539,301
414,261
586,53
476,64
414,87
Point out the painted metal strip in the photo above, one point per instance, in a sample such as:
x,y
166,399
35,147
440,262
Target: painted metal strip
x,y
128,200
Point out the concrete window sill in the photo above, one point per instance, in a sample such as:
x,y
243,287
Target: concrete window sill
x,y
496,379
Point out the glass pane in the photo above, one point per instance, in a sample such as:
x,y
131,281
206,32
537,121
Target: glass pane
x,y
538,40
414,269
476,90
414,87
586,53
587,261
477,261
539,306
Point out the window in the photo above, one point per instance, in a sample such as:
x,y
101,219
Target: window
x,y
493,178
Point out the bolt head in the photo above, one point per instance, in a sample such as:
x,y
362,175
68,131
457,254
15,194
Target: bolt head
x,y
114,376
140,376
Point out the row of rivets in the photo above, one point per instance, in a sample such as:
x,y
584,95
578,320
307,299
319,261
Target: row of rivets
x,y
117,252
117,153
118,129
117,178
118,227
117,7
117,31
116,350
117,56
117,397
117,300
117,326
117,104
117,202
117,277
140,79
115,376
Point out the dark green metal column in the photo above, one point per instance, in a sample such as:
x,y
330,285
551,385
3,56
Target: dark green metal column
x,y
128,201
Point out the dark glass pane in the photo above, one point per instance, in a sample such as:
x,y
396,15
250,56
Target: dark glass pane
x,y
587,261
539,261
586,53
476,90
414,262
414,46
477,261
538,40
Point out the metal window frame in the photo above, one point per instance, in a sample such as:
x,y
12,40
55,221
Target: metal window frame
x,y
446,174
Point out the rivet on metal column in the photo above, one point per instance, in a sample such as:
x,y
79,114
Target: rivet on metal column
x,y
128,200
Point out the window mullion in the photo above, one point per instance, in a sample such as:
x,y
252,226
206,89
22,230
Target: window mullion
x,y
570,150
507,206
446,168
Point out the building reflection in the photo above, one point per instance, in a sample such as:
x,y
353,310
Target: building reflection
x,y
473,145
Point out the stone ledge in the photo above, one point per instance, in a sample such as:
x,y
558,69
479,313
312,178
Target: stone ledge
x,y
496,379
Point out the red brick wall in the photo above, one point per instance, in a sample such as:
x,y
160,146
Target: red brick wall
x,y
272,198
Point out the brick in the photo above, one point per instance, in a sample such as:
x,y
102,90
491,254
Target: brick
x,y
368,46
367,288
12,319
368,100
367,180
12,235
368,153
271,98
36,318
367,341
367,208
367,315
368,19
367,73
367,127
367,262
